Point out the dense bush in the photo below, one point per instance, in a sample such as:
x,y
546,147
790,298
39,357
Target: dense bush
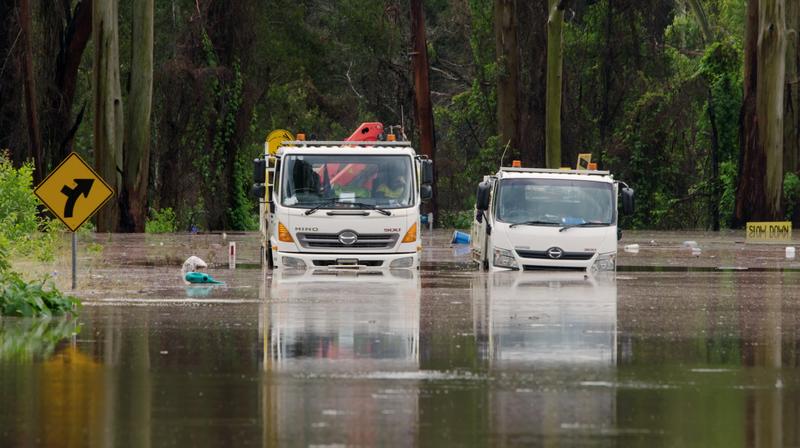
x,y
161,221
39,298
21,234
24,232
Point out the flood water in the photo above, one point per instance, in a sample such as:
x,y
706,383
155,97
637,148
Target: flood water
x,y
676,349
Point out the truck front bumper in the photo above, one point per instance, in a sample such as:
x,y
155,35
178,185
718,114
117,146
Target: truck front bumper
x,y
303,260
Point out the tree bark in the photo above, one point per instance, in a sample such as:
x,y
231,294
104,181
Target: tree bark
x,y
75,38
133,196
532,17
555,62
108,111
760,186
422,90
505,27
31,110
791,139
770,100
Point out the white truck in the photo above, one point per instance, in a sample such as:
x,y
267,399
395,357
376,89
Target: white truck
x,y
342,204
544,219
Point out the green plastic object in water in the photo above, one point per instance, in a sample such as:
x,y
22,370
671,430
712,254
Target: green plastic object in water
x,y
201,277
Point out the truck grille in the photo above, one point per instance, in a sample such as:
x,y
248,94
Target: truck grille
x,y
542,255
364,241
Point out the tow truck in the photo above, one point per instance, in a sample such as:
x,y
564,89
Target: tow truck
x,y
548,219
352,204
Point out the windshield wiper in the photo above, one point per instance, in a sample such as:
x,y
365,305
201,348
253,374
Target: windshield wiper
x,y
534,223
335,201
313,210
584,224
371,207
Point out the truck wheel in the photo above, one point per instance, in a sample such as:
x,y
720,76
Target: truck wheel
x,y
270,264
485,265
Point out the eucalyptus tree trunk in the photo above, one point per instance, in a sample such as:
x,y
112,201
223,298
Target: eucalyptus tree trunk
x,y
760,188
555,62
791,123
770,102
508,64
108,113
133,196
34,135
422,91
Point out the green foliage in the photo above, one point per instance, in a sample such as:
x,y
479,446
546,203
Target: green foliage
x,y
161,221
23,231
791,194
26,339
38,298
456,220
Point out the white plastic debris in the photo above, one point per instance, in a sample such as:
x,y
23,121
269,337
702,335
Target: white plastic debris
x,y
632,248
696,251
790,253
192,264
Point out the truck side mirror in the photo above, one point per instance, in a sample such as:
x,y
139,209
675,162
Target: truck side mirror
x,y
258,191
426,192
427,172
482,197
628,203
259,171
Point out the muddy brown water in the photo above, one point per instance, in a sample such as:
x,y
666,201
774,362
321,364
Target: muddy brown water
x,y
676,349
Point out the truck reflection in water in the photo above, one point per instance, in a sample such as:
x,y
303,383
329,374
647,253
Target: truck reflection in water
x,y
547,318
304,323
327,337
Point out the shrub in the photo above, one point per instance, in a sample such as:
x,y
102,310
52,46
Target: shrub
x,y
161,221
456,220
25,233
791,194
41,298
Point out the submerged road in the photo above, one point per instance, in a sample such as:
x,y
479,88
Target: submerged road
x,y
679,348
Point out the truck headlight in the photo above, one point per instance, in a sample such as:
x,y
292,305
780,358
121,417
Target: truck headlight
x,y
504,258
405,262
293,263
605,262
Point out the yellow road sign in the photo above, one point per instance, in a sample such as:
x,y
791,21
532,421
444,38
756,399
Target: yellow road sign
x,y
769,231
74,191
275,138
584,159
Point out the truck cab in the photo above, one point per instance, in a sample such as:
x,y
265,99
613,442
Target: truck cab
x,y
344,205
543,219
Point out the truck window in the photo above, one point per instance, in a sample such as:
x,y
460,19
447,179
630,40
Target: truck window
x,y
382,181
555,201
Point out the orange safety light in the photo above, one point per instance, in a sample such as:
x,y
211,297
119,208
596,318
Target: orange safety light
x,y
411,235
301,137
391,138
593,166
516,164
283,234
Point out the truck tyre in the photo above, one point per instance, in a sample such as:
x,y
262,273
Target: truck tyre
x,y
485,265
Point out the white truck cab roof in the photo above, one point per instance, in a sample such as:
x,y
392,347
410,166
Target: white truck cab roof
x,y
350,148
541,173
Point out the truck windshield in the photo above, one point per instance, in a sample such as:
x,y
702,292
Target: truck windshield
x,y
339,180
555,202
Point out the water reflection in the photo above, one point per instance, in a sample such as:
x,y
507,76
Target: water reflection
x,y
25,339
442,359
542,318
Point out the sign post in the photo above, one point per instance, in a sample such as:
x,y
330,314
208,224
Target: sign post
x,y
74,192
